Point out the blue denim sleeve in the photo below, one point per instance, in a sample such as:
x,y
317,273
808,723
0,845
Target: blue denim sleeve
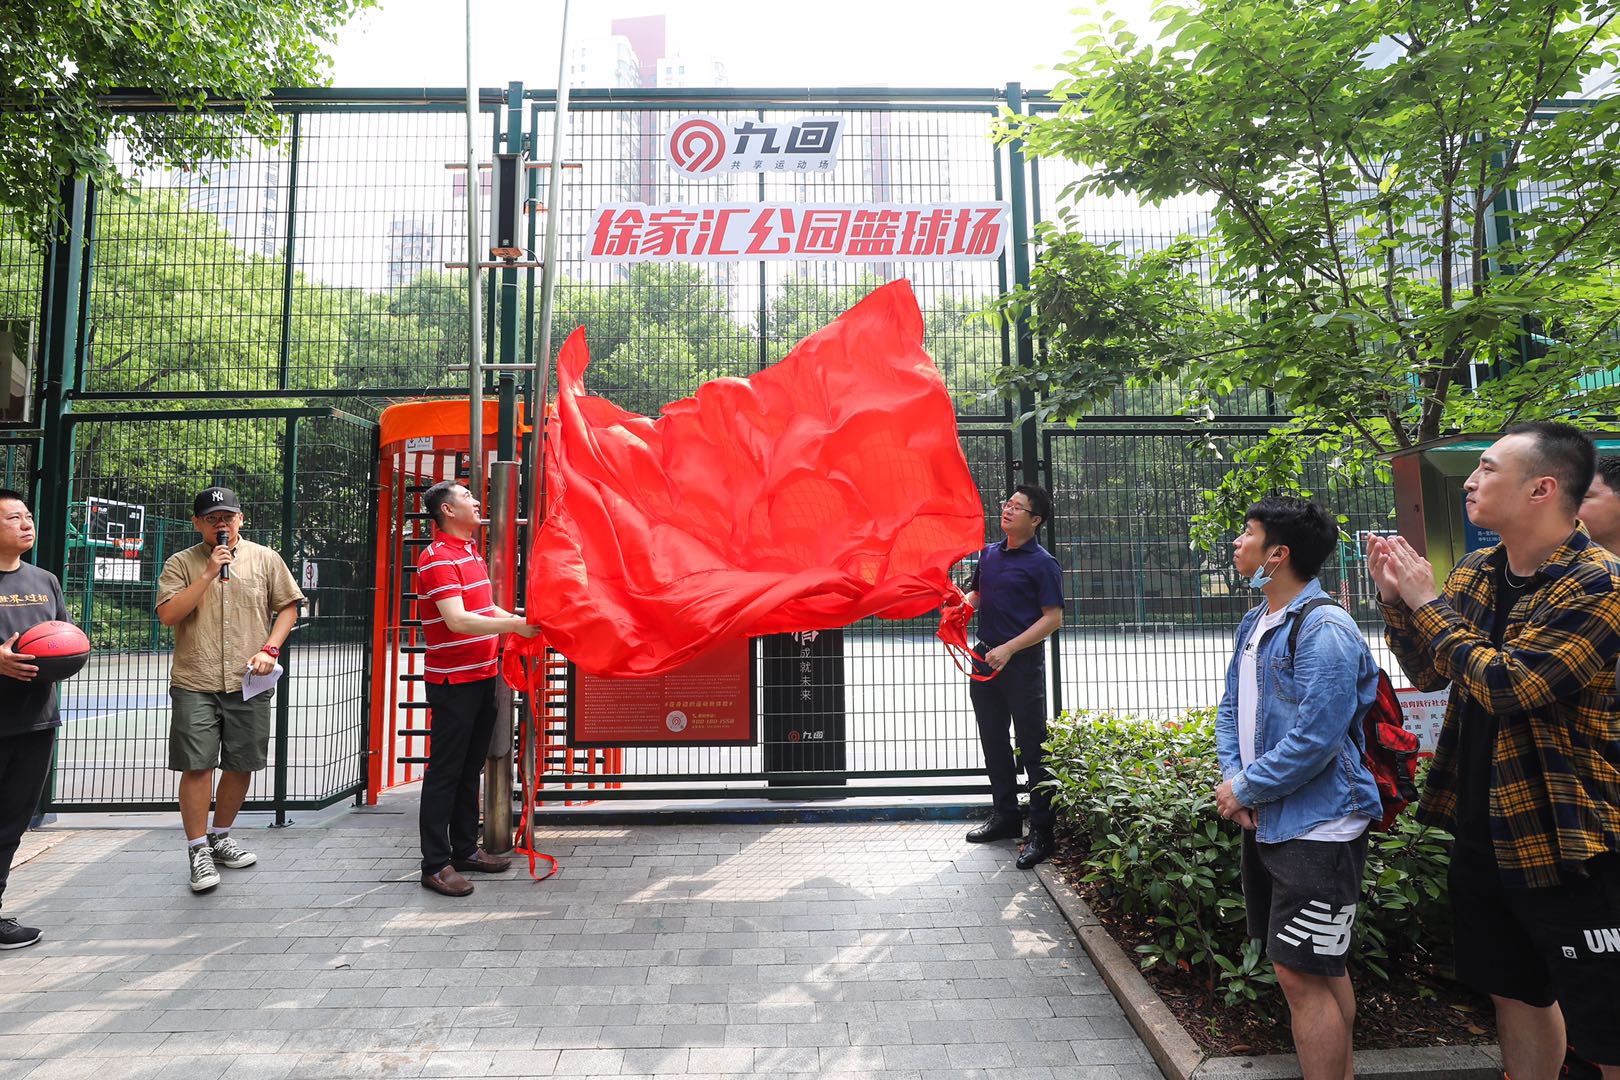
x,y
1227,751
1326,667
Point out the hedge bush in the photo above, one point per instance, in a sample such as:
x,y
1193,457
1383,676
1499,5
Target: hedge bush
x,y
1137,802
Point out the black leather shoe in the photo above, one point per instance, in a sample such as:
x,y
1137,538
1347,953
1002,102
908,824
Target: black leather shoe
x,y
1038,850
996,827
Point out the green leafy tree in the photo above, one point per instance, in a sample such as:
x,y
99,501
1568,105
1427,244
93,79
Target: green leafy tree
x,y
656,335
408,338
62,58
1400,207
176,305
803,305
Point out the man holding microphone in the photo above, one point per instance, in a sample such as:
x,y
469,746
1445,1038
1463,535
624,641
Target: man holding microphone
x,y
231,604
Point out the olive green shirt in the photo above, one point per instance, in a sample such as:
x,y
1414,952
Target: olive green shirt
x,y
212,645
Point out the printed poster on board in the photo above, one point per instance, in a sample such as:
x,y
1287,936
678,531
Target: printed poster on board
x,y
706,702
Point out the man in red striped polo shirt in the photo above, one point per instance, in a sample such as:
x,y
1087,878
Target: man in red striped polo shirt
x,y
462,626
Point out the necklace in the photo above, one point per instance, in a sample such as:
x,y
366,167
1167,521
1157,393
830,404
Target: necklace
x,y
1515,583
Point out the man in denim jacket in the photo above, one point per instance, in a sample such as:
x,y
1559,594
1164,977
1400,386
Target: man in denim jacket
x,y
1288,734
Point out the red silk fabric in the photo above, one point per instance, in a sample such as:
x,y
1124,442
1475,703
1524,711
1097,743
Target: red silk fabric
x,y
824,489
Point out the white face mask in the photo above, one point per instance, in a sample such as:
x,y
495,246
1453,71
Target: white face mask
x,y
1260,579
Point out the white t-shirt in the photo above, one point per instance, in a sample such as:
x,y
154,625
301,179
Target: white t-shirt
x,y
1346,828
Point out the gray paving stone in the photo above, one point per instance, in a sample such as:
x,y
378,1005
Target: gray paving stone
x,y
720,1059
523,1063
656,1061
659,952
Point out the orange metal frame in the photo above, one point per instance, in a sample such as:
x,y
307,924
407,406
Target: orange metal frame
x,y
421,444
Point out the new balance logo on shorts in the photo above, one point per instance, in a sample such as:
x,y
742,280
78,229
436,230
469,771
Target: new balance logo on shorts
x,y
1328,933
1601,941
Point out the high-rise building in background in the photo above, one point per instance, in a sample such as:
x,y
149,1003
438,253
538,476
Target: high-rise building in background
x,y
681,71
621,152
244,195
455,228
647,38
412,245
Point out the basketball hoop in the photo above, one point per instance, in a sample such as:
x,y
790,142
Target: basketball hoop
x,y
130,548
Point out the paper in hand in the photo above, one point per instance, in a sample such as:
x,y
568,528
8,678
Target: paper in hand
x,y
254,685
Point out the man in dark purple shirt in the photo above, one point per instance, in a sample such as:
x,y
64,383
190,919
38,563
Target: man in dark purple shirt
x,y
1017,589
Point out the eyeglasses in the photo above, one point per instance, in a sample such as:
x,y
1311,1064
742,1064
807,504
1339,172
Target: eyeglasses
x,y
1010,505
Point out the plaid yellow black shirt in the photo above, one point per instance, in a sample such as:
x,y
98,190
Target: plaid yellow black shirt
x,y
1555,780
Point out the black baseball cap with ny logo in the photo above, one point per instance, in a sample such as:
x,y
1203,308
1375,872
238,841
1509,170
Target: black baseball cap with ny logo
x,y
214,499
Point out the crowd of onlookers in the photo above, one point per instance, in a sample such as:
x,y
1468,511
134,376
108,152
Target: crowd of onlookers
x,y
1525,776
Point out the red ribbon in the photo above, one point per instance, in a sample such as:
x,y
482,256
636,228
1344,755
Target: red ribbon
x,y
953,626
524,668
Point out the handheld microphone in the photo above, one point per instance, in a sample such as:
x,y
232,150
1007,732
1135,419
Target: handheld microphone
x,y
221,538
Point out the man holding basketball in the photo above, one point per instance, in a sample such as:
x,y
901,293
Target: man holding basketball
x,y
28,711
232,604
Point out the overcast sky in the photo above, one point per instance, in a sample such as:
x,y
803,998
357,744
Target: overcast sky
x,y
822,43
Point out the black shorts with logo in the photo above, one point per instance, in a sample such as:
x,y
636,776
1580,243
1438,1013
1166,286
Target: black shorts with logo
x,y
1301,898
1538,946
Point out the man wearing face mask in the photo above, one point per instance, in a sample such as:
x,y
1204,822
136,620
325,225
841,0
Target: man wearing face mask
x,y
1017,588
231,603
1288,735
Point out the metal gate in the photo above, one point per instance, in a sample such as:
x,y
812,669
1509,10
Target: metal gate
x,y
304,477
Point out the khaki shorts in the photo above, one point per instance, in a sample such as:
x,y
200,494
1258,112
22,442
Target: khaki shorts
x,y
209,730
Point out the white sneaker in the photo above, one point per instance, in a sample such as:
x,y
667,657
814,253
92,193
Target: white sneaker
x,y
229,854
203,874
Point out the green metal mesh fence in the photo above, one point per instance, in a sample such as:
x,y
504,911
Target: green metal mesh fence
x,y
140,472
657,331
1149,620
315,265
315,268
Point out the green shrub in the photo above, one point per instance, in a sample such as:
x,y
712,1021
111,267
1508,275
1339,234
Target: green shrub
x,y
1138,811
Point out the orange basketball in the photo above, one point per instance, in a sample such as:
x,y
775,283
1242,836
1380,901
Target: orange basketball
x,y
59,649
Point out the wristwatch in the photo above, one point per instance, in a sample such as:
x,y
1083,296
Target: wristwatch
x,y
272,651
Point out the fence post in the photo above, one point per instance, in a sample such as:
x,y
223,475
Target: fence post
x,y
1023,340
290,262
764,293
59,359
506,436
61,318
289,536
1034,469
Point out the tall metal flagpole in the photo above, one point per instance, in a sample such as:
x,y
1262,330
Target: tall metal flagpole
x,y
475,314
534,460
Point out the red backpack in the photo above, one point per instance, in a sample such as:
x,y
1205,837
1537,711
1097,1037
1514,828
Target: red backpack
x,y
1389,750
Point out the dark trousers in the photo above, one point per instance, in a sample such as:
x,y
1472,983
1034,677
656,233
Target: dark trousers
x,y
25,761
1016,696
463,716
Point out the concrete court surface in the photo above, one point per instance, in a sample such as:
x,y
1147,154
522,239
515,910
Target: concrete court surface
x,y
891,951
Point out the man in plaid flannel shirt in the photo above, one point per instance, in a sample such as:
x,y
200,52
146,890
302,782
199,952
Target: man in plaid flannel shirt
x,y
1527,771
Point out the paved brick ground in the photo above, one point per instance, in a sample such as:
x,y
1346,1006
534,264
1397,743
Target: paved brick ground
x,y
892,951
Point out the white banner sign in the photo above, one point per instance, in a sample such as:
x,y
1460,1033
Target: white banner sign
x,y
1424,713
729,232
706,146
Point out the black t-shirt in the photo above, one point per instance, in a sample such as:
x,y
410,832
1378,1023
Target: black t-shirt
x,y
28,596
1476,742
